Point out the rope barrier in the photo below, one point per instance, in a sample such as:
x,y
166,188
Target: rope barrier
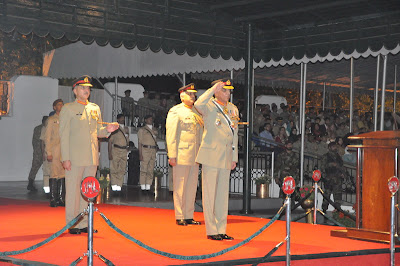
x,y
336,206
331,219
57,234
105,260
194,257
301,216
269,254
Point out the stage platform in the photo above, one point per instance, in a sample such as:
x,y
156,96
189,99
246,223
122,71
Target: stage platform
x,y
24,223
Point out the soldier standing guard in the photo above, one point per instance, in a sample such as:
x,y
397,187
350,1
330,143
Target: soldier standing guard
x,y
147,152
218,155
80,127
184,130
127,107
53,151
287,163
118,145
37,159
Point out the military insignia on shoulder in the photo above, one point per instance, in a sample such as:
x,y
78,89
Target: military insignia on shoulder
x,y
94,115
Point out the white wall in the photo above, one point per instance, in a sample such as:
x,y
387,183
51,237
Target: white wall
x,y
33,98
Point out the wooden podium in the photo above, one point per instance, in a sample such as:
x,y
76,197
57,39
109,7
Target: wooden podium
x,y
379,151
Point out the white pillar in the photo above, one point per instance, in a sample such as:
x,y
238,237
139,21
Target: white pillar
x,y
303,128
383,92
376,94
351,92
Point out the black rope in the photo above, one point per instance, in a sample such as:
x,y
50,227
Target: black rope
x,y
331,219
105,260
300,217
269,254
337,207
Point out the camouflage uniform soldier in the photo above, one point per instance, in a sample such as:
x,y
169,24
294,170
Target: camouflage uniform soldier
x,y
287,164
37,160
333,174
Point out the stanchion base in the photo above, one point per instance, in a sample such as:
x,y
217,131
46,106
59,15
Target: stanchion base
x,y
364,234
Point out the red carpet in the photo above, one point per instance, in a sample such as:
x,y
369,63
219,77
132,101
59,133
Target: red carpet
x,y
25,223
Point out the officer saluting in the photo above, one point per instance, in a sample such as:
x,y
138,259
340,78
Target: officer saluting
x,y
184,129
218,154
80,126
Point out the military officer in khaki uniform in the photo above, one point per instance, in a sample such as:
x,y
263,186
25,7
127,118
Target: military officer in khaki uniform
x,y
184,131
147,140
218,155
118,145
53,151
80,127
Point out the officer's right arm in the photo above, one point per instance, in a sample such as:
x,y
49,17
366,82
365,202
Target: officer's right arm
x,y
171,128
202,102
65,127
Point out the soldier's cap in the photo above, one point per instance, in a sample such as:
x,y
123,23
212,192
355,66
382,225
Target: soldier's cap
x,y
120,115
187,88
331,144
147,117
279,118
127,91
57,101
228,83
83,81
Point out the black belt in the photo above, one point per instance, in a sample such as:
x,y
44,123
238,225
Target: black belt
x,y
149,146
121,147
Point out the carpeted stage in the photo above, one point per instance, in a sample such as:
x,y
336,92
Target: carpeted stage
x,y
24,223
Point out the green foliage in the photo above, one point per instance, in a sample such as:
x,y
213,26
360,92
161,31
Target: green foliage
x,y
265,179
104,181
343,219
104,171
303,192
158,173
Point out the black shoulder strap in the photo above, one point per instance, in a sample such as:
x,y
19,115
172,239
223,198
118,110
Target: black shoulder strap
x,y
155,141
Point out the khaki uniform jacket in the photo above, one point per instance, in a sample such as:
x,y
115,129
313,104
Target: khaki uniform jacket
x,y
184,131
145,137
119,138
79,130
219,147
52,136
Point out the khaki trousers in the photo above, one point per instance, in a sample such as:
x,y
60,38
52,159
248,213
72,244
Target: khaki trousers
x,y
57,170
118,166
215,184
74,201
185,187
147,166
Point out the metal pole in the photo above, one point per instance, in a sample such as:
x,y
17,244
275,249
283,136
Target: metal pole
x,y
288,220
395,89
303,128
392,231
272,165
351,92
184,79
358,187
323,97
115,109
315,202
383,92
376,94
90,234
248,130
232,79
301,96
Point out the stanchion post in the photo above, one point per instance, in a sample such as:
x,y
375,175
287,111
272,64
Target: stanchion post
x,y
393,184
90,234
288,187
316,176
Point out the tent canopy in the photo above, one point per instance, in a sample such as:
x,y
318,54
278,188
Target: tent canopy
x,y
283,28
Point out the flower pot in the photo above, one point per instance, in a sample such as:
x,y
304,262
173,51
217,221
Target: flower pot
x,y
307,205
104,194
262,191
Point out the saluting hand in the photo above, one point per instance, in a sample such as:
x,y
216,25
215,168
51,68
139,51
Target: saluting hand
x,y
112,127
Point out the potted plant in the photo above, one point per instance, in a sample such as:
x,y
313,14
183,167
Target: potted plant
x,y
262,186
104,180
343,219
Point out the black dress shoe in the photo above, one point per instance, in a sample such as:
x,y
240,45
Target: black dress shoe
x,y
74,231
85,230
181,222
191,221
226,237
214,237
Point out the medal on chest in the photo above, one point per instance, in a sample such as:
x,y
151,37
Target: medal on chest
x,y
94,115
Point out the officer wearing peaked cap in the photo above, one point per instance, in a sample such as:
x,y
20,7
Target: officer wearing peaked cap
x,y
80,127
218,155
184,130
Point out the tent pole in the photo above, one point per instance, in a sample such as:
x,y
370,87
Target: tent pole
x,y
383,92
249,95
323,97
395,89
184,79
301,98
115,111
376,94
303,127
351,92
232,79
